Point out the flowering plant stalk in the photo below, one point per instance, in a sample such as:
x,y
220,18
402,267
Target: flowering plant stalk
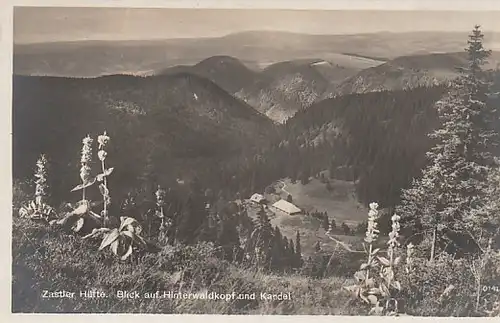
x,y
41,186
103,187
85,161
388,285
160,213
372,289
366,289
82,213
38,209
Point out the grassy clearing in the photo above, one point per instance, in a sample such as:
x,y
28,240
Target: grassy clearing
x,y
46,259
340,203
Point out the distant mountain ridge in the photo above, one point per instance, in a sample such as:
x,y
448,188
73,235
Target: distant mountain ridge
x,y
256,49
408,72
227,72
278,91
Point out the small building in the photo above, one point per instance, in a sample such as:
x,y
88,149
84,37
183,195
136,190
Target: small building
x,y
258,198
287,207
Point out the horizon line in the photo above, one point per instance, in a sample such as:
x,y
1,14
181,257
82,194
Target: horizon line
x,y
82,40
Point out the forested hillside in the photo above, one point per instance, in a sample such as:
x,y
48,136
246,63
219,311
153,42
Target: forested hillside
x,y
169,128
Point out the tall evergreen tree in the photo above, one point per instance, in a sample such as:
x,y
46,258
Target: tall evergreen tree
x,y
454,189
333,224
298,251
325,222
262,238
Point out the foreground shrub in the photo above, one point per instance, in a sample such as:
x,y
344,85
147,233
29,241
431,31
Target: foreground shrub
x,y
443,287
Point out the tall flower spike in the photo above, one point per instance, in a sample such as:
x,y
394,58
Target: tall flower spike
x,y
394,234
86,159
371,229
160,202
41,187
103,140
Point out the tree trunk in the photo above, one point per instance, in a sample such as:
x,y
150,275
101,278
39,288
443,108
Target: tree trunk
x,y
433,246
478,296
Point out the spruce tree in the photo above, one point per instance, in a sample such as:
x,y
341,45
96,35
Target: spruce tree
x,y
277,250
298,251
333,224
454,188
325,222
262,236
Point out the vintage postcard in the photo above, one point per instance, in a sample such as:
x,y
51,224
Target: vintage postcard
x,y
254,161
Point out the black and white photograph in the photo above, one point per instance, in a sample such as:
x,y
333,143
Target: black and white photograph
x,y
256,161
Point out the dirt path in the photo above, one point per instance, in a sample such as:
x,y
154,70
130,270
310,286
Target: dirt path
x,y
283,188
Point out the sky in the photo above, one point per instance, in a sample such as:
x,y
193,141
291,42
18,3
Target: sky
x,y
47,24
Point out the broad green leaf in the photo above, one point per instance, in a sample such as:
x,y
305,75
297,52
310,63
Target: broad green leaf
x,y
78,225
363,266
389,275
96,232
384,261
114,246
107,172
95,216
128,253
374,291
110,238
384,290
82,186
374,252
81,209
136,238
23,211
373,299
126,221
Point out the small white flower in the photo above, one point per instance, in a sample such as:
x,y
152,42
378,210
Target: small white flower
x,y
102,155
103,140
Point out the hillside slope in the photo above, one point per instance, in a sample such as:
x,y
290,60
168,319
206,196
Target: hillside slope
x,y
407,72
282,89
225,71
181,124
